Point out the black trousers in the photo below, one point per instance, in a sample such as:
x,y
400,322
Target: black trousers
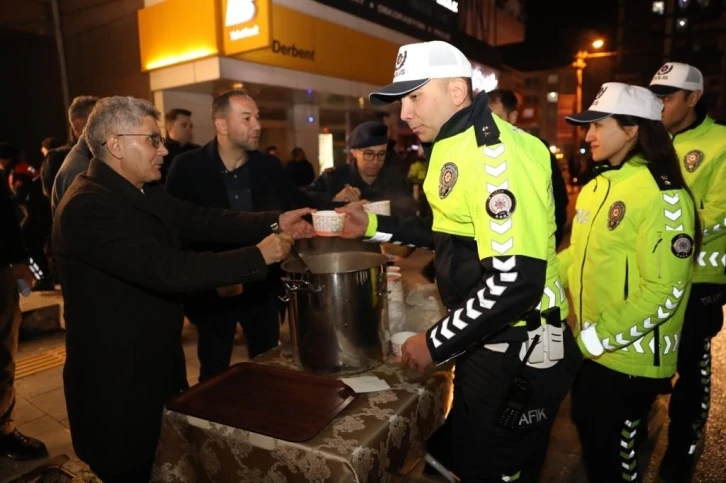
x,y
138,474
610,410
472,444
216,327
691,398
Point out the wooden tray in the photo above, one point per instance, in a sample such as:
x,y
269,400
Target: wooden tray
x,y
283,404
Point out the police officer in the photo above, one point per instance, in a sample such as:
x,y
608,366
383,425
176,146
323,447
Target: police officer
x,y
368,177
493,227
701,147
628,267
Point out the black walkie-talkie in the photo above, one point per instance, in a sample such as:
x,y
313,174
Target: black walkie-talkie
x,y
519,394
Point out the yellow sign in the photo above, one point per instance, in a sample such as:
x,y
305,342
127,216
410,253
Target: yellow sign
x,y
177,31
310,44
246,25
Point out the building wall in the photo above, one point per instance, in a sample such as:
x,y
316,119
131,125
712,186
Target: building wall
x,y
102,48
102,58
30,93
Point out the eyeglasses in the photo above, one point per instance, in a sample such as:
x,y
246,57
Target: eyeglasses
x,y
155,138
371,155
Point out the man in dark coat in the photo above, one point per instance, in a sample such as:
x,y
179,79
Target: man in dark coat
x,y
179,135
78,113
367,177
229,172
13,268
117,240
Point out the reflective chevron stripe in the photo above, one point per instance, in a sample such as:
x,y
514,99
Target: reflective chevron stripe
x,y
485,299
628,453
700,420
635,333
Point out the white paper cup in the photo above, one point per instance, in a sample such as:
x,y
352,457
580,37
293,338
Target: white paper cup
x,y
395,287
328,223
397,341
378,207
393,269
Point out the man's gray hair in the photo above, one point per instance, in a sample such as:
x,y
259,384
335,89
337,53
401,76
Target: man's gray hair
x,y
81,107
116,115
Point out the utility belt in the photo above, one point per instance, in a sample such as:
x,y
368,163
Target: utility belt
x,y
541,338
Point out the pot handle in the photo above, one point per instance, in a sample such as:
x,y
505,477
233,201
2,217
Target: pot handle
x,y
381,281
292,286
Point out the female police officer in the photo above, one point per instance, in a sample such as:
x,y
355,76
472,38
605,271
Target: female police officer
x,y
629,269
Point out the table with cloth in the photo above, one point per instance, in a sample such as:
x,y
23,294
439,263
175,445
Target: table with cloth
x,y
375,438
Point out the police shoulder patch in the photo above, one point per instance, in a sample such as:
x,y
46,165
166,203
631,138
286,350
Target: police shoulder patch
x,y
616,214
501,204
682,245
447,179
692,160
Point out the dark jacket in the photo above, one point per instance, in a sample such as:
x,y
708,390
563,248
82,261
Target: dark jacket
x,y
74,164
175,148
51,165
390,184
122,270
11,239
301,173
196,177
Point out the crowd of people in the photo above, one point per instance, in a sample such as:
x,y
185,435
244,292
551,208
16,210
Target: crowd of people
x,y
142,231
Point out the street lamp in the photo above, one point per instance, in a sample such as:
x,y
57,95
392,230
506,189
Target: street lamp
x,y
579,64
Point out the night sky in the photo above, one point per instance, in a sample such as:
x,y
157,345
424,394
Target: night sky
x,y
556,28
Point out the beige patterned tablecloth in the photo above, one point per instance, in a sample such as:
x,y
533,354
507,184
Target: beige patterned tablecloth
x,y
374,439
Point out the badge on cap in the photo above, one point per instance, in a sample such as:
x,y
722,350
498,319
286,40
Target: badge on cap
x,y
666,69
447,179
616,214
693,160
682,246
501,204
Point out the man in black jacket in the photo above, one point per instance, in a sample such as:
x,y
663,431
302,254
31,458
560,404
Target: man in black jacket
x,y
78,113
118,241
503,103
13,267
229,172
75,163
179,135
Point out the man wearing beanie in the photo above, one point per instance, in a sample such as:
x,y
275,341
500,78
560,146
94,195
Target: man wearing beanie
x,y
367,177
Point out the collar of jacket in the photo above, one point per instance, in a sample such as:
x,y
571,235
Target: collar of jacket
x,y
83,146
478,115
623,170
701,114
104,175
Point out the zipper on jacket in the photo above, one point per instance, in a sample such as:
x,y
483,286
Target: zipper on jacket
x,y
656,347
625,292
587,242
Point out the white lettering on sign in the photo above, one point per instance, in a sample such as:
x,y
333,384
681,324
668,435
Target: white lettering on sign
x,y
449,5
244,33
239,11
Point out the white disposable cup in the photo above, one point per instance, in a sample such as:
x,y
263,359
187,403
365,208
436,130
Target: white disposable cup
x,y
328,223
397,341
395,286
393,269
378,207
